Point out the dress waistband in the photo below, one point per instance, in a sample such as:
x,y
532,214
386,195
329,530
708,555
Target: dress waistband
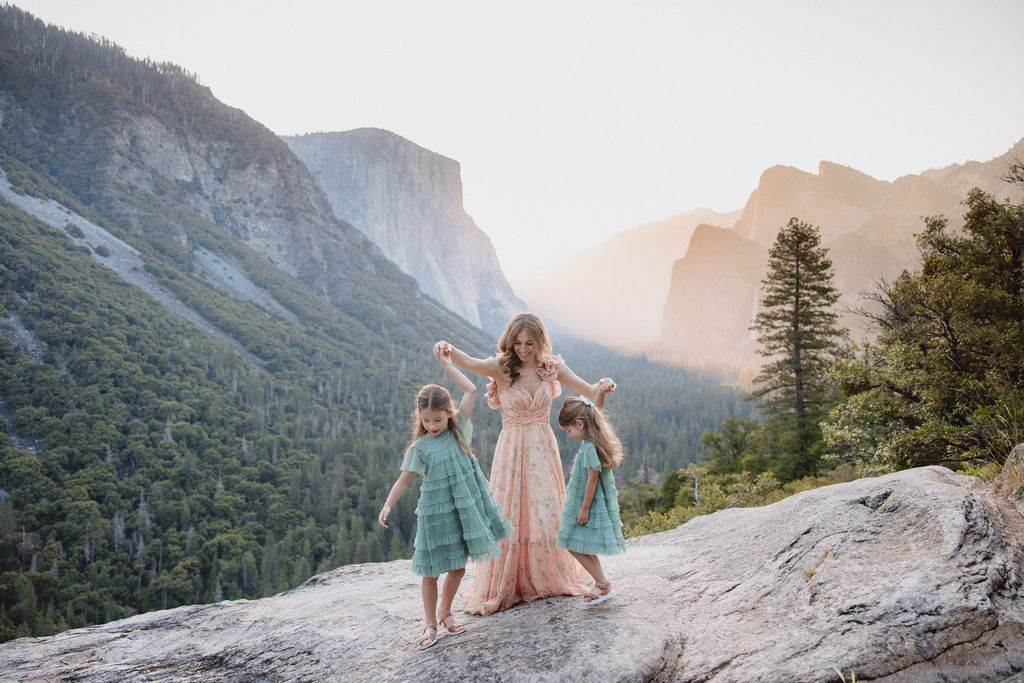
x,y
524,421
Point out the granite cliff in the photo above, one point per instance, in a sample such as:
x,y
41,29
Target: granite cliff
x,y
736,266
408,201
913,576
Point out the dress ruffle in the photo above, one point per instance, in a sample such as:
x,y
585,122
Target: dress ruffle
x,y
457,516
602,534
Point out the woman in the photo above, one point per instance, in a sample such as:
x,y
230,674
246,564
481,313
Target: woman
x,y
526,474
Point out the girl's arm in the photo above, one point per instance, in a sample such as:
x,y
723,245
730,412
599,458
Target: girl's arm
x,y
595,392
467,386
588,495
396,492
481,366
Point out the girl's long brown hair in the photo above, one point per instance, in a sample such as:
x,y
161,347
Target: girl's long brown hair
x,y
595,428
507,359
436,397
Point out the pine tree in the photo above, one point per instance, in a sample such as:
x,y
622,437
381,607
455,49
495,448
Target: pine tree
x,y
796,328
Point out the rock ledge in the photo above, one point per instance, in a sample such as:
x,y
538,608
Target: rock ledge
x,y
914,576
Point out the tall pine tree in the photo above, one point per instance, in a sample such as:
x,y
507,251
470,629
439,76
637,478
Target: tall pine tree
x,y
797,330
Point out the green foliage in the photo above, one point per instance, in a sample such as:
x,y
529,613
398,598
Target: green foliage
x,y
942,384
696,491
730,451
796,328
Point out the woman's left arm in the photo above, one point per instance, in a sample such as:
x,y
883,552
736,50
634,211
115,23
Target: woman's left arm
x,y
595,392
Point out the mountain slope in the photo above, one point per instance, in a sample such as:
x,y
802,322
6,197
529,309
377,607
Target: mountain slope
x,y
697,321
206,376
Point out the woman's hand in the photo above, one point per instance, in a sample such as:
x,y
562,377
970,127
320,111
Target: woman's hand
x,y
383,516
605,385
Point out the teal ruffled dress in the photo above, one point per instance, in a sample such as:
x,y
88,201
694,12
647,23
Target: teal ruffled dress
x,y
602,534
456,517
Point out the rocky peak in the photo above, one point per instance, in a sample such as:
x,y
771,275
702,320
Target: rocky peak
x,y
408,201
838,199
907,577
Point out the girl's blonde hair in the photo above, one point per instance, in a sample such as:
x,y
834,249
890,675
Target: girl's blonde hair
x,y
436,397
595,428
507,359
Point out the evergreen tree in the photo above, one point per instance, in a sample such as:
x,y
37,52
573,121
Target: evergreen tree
x,y
943,381
796,328
727,451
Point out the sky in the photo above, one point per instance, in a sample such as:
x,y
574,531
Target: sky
x,y
573,120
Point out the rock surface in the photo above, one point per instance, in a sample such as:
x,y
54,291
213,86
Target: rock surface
x,y
914,576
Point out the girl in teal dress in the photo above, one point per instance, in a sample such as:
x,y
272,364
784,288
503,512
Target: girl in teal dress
x,y
457,517
590,519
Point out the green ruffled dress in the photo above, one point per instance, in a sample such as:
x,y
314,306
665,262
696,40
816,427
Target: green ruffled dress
x,y
602,534
456,517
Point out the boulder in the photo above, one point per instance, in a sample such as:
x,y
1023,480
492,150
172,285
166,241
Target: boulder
x,y
912,576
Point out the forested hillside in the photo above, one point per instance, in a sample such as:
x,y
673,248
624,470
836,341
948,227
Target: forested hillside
x,y
148,465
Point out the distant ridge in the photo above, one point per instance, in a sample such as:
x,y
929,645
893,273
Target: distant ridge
x,y
868,226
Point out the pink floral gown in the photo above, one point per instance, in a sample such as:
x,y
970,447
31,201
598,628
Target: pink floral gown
x,y
527,481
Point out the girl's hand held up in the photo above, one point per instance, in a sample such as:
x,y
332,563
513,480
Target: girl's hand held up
x,y
442,348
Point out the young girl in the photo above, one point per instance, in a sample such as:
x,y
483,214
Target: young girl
x,y
457,516
590,519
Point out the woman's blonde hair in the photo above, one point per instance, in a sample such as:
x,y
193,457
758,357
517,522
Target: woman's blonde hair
x,y
595,428
436,397
507,359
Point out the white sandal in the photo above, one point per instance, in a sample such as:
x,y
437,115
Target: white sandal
x,y
455,628
428,639
606,594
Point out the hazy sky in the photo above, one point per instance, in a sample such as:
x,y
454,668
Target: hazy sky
x,y
573,120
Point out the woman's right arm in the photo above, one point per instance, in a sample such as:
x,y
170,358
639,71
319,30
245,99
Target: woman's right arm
x,y
480,366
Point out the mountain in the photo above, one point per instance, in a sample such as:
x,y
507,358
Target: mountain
x,y
867,225
626,279
408,201
914,576
206,377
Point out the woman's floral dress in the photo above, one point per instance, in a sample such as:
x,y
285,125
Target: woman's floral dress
x,y
527,481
